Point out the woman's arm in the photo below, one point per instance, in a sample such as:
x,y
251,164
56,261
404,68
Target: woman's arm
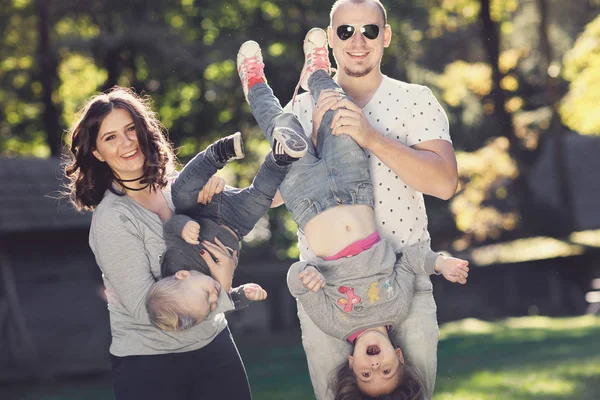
x,y
121,255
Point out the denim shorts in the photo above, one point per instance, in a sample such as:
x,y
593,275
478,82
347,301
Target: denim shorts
x,y
315,184
336,172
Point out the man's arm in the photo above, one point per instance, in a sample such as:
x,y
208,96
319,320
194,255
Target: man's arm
x,y
427,166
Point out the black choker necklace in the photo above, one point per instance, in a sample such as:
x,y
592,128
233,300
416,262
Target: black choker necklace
x,y
128,180
135,190
131,180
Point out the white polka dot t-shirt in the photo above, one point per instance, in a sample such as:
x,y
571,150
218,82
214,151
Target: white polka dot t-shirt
x,y
410,114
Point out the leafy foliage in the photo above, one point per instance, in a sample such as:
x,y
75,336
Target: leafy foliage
x,y
579,108
182,53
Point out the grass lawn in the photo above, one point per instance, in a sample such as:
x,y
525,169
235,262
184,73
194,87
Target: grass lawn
x,y
520,359
530,358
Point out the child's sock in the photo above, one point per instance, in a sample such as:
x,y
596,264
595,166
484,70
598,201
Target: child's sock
x,y
250,66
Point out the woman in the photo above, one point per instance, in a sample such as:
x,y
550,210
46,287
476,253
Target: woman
x,y
120,167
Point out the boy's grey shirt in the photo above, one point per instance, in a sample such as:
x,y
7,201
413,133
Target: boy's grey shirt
x,y
364,291
182,255
127,241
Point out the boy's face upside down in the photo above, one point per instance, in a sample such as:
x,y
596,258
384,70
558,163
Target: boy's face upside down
x,y
199,293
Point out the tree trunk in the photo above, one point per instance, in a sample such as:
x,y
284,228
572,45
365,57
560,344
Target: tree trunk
x,y
48,76
556,130
110,54
523,157
491,43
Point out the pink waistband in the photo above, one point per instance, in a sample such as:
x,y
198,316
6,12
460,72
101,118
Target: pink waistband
x,y
352,338
356,248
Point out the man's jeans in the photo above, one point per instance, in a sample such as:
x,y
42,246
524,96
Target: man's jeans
x,y
336,172
238,209
417,336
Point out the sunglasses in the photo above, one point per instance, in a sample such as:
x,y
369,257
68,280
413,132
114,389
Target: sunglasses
x,y
370,31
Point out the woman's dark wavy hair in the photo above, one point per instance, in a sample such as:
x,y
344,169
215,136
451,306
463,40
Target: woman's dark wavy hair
x,y
87,177
410,385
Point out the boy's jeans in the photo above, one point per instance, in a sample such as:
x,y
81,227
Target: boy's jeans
x,y
238,209
334,173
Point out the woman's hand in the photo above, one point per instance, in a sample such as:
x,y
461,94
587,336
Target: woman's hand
x,y
221,269
215,185
312,279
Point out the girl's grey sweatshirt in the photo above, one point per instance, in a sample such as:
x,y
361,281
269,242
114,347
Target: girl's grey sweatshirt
x,y
370,289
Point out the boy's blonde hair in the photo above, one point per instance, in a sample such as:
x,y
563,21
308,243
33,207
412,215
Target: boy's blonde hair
x,y
164,306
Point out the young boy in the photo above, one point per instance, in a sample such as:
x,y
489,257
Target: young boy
x,y
203,241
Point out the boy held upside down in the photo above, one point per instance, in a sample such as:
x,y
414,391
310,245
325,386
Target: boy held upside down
x,y
203,240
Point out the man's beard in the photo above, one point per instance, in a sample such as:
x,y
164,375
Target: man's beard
x,y
359,73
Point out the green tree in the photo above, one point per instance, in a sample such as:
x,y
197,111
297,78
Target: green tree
x,y
579,108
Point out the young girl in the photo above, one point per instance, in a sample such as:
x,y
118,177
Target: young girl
x,y
355,290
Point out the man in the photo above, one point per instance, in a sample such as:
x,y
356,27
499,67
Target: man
x,y
405,133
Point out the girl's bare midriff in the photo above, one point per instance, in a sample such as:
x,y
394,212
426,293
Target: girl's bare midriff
x,y
336,228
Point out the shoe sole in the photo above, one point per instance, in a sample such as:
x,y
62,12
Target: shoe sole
x,y
238,146
293,143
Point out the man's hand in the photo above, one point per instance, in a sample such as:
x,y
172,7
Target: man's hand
x,y
222,269
312,279
254,292
327,99
191,232
351,120
453,269
215,185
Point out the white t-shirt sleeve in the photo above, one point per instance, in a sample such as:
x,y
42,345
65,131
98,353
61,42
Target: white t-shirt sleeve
x,y
426,119
303,109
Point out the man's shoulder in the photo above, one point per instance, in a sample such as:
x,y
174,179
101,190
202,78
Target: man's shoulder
x,y
408,88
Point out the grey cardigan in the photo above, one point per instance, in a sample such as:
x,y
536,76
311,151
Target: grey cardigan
x,y
127,241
